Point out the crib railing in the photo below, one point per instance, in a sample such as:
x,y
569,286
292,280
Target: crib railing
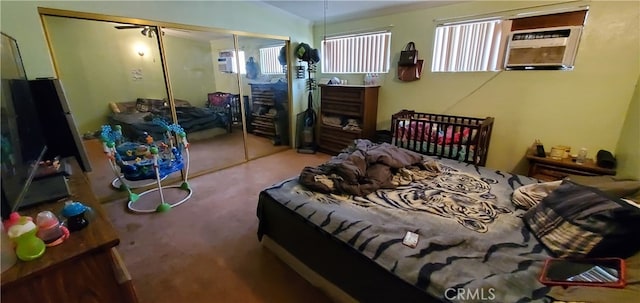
x,y
454,137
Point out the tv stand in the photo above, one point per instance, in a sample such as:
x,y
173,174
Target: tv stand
x,y
53,167
84,268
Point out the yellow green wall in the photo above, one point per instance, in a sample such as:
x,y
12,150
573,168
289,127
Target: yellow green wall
x,y
95,62
191,69
628,150
585,107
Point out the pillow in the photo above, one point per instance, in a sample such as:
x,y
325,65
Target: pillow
x,y
530,195
127,107
114,107
143,105
581,221
611,185
180,103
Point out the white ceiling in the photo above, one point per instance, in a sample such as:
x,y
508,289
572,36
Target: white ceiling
x,y
341,10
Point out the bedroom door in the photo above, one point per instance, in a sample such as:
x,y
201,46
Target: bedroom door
x,y
266,95
202,75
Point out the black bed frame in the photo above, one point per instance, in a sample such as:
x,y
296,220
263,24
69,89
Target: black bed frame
x,y
357,275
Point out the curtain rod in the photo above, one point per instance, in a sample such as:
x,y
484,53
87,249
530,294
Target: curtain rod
x,y
510,13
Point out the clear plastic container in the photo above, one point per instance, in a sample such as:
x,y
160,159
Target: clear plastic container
x,y
7,251
582,156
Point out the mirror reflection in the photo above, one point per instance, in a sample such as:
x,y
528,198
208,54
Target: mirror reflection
x,y
204,85
229,93
266,95
111,73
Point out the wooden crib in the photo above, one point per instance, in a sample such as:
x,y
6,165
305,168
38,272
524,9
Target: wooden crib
x,y
454,137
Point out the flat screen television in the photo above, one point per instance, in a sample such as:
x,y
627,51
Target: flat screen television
x,y
22,144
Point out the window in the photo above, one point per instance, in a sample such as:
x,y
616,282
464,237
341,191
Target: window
x,y
470,47
362,53
479,45
269,64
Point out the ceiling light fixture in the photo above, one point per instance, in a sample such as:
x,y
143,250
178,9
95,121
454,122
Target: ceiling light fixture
x,y
149,31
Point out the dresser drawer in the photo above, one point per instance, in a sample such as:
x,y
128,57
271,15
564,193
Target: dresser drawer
x,y
342,94
551,173
334,139
331,107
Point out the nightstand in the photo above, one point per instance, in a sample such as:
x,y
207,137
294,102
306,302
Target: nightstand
x,y
548,169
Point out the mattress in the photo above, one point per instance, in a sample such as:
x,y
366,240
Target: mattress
x,y
471,237
191,119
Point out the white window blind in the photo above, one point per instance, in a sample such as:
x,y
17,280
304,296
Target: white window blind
x,y
364,53
269,63
469,47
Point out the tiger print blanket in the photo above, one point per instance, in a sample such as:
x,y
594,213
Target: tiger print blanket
x,y
471,235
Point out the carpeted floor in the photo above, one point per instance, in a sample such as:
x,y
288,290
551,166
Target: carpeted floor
x,y
206,250
207,153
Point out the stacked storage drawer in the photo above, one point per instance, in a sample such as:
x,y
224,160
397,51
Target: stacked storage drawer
x,y
344,103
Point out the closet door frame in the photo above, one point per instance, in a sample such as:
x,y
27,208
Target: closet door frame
x,y
44,12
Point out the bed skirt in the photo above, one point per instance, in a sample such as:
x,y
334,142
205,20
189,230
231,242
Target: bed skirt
x,y
350,271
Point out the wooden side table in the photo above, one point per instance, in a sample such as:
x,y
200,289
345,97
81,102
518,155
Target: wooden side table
x,y
86,268
548,169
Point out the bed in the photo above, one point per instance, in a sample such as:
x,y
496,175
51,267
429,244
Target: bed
x,y
472,238
136,117
453,137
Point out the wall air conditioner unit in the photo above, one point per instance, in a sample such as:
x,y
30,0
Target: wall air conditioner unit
x,y
225,64
543,48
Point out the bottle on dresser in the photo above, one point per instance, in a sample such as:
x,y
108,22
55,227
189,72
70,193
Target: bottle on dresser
x,y
582,156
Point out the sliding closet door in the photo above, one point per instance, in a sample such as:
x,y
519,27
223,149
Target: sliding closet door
x,y
105,68
204,84
266,95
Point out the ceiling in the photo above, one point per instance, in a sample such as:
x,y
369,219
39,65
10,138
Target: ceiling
x,y
341,10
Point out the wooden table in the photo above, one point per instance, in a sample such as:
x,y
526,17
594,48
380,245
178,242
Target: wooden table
x,y
549,169
84,268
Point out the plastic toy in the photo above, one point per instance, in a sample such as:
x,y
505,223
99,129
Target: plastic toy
x,y
152,159
23,234
119,182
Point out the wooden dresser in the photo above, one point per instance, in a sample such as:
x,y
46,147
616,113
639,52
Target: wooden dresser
x,y
338,103
549,169
85,268
269,111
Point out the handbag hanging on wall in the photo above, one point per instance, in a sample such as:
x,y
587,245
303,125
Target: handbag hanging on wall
x,y
409,56
411,72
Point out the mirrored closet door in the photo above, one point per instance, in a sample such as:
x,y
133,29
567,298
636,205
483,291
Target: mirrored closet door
x,y
265,85
203,74
230,92
111,73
